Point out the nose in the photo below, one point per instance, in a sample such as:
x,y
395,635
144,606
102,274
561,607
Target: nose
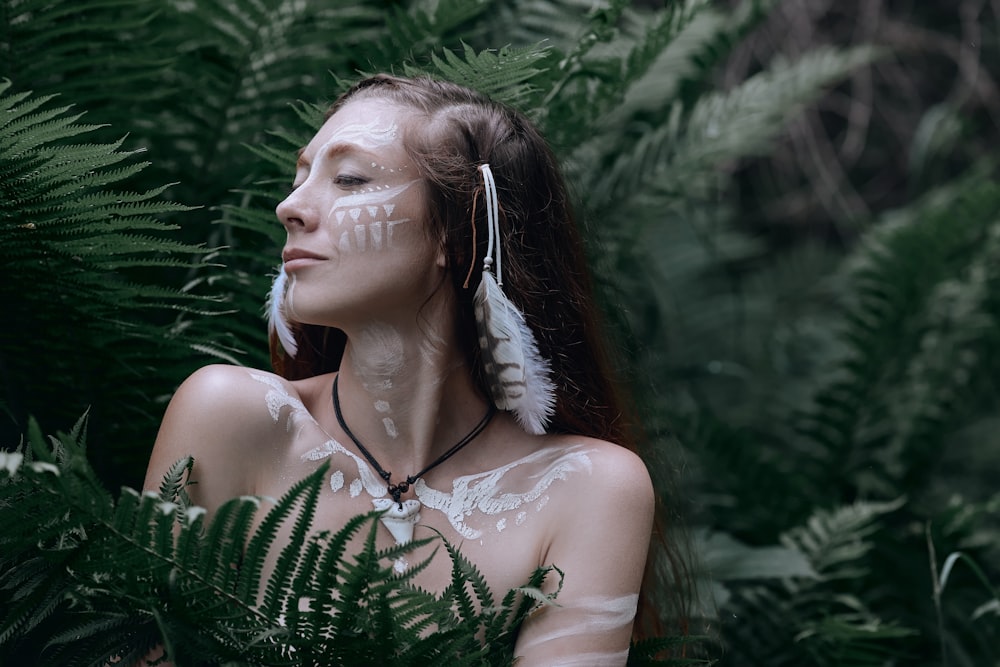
x,y
295,212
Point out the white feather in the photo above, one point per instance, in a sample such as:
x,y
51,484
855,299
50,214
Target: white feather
x,y
276,318
518,375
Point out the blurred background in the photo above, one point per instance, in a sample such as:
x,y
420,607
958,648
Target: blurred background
x,y
791,207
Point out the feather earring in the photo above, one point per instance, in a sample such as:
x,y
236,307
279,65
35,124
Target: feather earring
x,y
277,322
518,375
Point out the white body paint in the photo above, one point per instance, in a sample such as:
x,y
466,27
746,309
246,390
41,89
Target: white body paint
x,y
586,617
473,504
366,480
474,497
593,615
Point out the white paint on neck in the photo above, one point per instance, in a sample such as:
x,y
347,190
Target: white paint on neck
x,y
377,356
390,428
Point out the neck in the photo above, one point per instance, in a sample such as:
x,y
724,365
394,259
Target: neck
x,y
407,394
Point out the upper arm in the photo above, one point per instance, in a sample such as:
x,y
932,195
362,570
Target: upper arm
x,y
601,540
214,418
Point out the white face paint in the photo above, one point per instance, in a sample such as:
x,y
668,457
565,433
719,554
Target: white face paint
x,y
372,135
381,167
356,220
366,213
364,220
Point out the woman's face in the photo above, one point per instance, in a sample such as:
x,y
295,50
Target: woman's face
x,y
358,247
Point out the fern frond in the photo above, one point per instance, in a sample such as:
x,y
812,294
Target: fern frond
x,y
504,74
916,314
423,26
726,126
132,584
669,43
462,573
306,493
73,241
835,542
806,616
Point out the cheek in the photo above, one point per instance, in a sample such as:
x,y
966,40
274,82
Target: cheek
x,y
377,219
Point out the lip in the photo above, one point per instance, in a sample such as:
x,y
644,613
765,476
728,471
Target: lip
x,y
295,258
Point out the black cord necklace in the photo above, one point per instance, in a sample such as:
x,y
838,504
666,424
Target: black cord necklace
x,y
396,490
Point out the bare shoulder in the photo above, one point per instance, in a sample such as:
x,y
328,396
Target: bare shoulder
x,y
223,399
598,539
217,416
601,522
616,474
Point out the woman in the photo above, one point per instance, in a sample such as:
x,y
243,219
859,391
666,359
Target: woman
x,y
412,195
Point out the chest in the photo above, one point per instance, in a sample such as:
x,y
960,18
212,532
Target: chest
x,y
501,520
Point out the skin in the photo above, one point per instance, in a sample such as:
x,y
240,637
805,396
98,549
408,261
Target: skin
x,y
592,518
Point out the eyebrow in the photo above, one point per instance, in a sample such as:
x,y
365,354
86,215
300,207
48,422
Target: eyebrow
x,y
329,151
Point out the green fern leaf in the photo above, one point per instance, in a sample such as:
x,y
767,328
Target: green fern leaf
x,y
504,75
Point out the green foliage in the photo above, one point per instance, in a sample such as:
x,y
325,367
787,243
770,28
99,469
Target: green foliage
x,y
147,566
501,75
681,155
816,619
915,359
86,578
807,390
81,252
920,337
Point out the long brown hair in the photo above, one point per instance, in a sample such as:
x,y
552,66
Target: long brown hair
x,y
545,271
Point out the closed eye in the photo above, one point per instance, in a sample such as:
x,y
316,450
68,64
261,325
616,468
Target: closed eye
x,y
347,181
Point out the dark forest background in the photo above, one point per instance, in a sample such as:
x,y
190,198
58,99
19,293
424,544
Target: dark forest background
x,y
791,207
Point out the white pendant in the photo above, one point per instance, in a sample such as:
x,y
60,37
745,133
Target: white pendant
x,y
399,518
